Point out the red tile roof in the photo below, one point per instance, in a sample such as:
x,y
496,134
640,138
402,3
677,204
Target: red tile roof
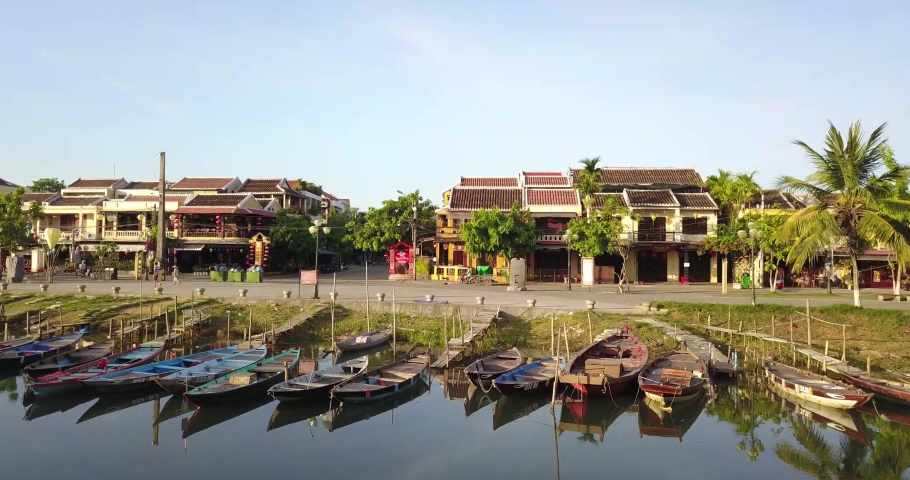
x,y
199,183
647,176
547,181
699,201
224,211
103,183
542,174
552,197
262,186
142,186
36,197
600,199
499,182
230,200
76,201
477,198
181,199
651,198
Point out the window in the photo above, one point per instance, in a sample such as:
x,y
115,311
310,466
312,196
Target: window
x,y
652,230
443,221
695,225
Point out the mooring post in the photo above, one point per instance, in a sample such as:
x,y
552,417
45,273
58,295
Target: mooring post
x,y
772,325
868,364
121,332
843,355
808,325
590,330
250,333
552,335
445,333
110,328
228,332
5,331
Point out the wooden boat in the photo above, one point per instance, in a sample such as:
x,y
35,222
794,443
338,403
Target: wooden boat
x,y
249,381
509,409
212,415
67,360
190,378
904,377
477,399
383,381
886,390
608,366
533,377
848,422
144,376
290,413
71,378
32,352
592,417
317,385
482,372
115,402
342,357
814,388
366,340
654,420
351,413
16,343
676,377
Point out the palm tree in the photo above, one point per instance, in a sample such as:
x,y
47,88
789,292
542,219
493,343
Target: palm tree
x,y
731,191
587,182
590,164
853,201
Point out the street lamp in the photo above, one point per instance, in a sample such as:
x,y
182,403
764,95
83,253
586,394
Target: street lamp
x,y
569,237
752,235
314,230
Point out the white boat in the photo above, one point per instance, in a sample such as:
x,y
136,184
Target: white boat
x,y
814,388
205,372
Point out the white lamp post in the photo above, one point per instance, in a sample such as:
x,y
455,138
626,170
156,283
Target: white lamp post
x,y
314,230
569,237
752,235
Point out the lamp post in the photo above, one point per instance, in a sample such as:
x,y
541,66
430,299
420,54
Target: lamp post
x,y
569,237
315,231
752,235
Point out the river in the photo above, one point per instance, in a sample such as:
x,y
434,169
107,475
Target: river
x,y
447,430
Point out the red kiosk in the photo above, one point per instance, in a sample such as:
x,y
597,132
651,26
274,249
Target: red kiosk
x,y
401,260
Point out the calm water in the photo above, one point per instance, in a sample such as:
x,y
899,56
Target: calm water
x,y
447,430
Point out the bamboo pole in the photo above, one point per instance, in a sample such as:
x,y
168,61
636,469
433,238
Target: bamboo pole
x,y
556,358
590,330
250,332
228,333
5,331
552,333
445,333
772,325
28,323
868,364
791,329
110,328
121,332
333,323
843,356
461,328
808,325
394,324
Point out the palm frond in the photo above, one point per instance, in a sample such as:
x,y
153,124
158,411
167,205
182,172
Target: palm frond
x,y
790,184
809,231
799,459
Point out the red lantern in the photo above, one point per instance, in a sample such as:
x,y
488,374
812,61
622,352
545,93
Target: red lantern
x,y
653,254
643,254
663,255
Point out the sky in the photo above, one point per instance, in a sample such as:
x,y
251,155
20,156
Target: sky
x,y
366,98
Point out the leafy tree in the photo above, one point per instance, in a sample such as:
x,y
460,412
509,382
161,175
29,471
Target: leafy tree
x,y
853,201
47,185
731,191
771,245
587,182
107,253
291,241
14,221
492,232
900,248
394,222
603,232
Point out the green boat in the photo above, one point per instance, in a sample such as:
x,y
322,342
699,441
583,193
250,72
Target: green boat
x,y
248,381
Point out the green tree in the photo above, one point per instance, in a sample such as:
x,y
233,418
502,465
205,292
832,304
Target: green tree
x,y
492,232
731,191
47,185
603,232
107,253
391,223
587,182
771,245
900,248
291,240
14,231
853,201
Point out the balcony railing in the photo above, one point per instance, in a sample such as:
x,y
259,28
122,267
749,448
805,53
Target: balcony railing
x,y
114,235
448,231
676,237
226,232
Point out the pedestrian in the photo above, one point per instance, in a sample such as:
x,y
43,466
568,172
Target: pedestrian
x,y
156,274
174,272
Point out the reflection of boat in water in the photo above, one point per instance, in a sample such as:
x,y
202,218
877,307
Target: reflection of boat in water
x,y
208,417
593,416
511,408
847,422
656,421
478,399
176,406
355,412
115,402
345,356
289,413
43,407
894,414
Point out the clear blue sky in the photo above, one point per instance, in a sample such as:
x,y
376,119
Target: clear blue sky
x,y
366,98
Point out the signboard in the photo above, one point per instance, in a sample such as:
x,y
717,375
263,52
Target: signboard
x,y
308,277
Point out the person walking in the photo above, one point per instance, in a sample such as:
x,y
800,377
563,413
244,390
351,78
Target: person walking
x,y
174,271
157,274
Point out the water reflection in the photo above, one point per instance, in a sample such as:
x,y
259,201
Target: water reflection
x,y
509,409
591,419
351,413
176,406
43,407
655,421
290,413
208,417
111,403
478,399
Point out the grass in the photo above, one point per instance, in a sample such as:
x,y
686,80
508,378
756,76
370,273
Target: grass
x,y
881,335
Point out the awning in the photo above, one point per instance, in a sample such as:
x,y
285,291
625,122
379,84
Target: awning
x,y
88,247
137,247
190,248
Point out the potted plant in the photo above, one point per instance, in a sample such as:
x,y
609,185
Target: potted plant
x,y
254,275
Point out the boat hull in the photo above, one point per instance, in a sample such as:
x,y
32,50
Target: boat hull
x,y
882,392
483,380
667,401
57,388
321,392
51,387
122,386
524,388
219,398
356,347
26,360
377,395
842,401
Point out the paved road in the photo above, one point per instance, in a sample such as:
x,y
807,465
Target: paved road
x,y
350,285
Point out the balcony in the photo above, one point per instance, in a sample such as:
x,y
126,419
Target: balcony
x,y
227,233
450,232
669,237
130,235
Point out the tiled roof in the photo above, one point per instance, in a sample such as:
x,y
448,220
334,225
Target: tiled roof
x,y
647,176
224,211
4,183
477,198
699,201
329,196
262,186
499,182
200,183
542,174
552,197
181,199
216,200
600,199
775,199
142,186
547,181
651,198
76,201
103,183
36,197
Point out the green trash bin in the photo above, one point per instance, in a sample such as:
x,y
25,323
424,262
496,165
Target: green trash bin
x,y
485,270
746,281
253,277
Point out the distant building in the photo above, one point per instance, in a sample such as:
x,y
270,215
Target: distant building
x,y
7,186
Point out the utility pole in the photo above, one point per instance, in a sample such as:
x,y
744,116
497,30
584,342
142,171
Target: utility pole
x,y
162,226
414,238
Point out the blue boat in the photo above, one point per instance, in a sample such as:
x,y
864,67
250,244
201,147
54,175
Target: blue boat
x,y
33,352
144,376
533,377
205,372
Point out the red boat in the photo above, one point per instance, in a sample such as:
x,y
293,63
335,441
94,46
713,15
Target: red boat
x,y
887,390
607,366
675,377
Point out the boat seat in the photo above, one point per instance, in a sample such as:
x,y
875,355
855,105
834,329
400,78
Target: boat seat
x,y
382,380
268,369
336,375
531,378
674,375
